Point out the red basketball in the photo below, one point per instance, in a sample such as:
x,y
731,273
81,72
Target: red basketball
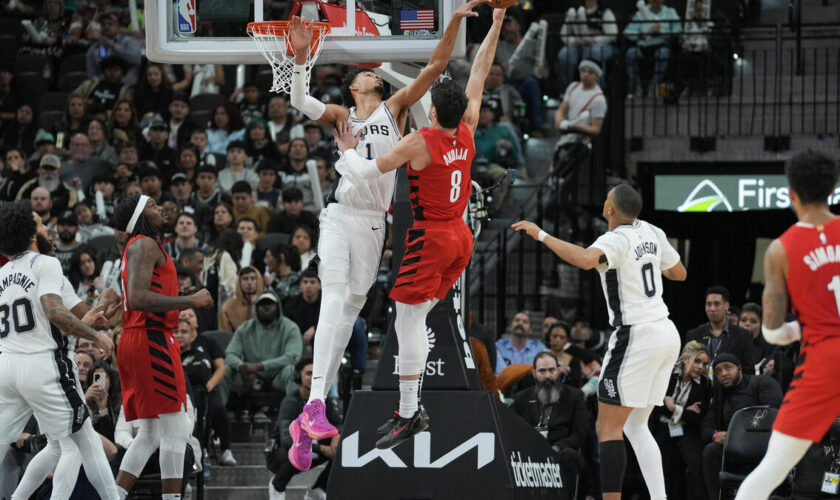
x,y
502,4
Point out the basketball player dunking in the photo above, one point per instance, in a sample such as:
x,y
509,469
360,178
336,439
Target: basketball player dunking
x,y
803,265
352,226
631,257
151,375
439,245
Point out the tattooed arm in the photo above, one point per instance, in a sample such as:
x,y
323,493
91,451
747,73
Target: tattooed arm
x,y
774,299
69,324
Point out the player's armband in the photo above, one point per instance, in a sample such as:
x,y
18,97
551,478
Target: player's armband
x,y
788,333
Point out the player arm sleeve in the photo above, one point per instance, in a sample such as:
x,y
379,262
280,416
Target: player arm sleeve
x,y
50,276
301,100
359,167
614,247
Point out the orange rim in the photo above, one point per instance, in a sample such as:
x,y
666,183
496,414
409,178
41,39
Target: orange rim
x,y
280,28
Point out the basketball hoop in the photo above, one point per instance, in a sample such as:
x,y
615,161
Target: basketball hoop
x,y
273,42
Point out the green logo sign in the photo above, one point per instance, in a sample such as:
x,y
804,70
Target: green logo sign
x,y
720,193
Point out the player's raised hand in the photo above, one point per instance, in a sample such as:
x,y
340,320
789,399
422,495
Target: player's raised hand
x,y
201,298
529,227
344,138
300,35
466,10
499,15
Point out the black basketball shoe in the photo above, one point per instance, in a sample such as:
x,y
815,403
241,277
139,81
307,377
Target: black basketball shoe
x,y
401,429
388,426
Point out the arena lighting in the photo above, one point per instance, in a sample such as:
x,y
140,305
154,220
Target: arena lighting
x,y
526,136
735,56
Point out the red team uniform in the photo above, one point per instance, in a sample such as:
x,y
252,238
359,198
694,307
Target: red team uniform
x,y
813,282
149,357
439,244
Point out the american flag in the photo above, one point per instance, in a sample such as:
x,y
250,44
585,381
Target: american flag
x,y
422,19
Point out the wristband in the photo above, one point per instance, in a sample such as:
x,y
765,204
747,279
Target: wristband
x,y
542,236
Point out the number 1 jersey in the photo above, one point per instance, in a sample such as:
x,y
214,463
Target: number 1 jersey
x,y
24,328
632,277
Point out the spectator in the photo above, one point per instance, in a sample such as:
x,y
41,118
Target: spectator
x,y
45,144
204,365
304,238
226,125
293,214
180,129
290,408
495,143
151,182
46,33
208,191
207,79
313,134
199,139
84,361
268,196
520,65
304,307
222,220
280,123
78,170
251,105
517,348
677,424
153,94
220,267
589,33
99,146
181,187
41,202
247,229
187,160
263,351
240,308
557,411
75,121
282,270
733,314
733,391
186,230
260,147
192,259
89,225
62,195
547,323
104,182
123,123
9,98
83,273
243,204
326,176
694,61
650,29
502,98
581,114
719,334
103,398
157,150
762,351
20,134
568,368
294,172
102,92
15,174
236,171
112,43
127,160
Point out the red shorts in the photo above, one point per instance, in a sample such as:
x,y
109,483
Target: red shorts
x,y
151,375
436,253
812,402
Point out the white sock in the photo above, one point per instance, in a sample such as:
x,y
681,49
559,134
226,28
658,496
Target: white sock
x,y
783,452
171,496
647,451
408,397
123,494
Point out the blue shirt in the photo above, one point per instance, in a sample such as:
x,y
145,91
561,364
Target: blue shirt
x,y
508,354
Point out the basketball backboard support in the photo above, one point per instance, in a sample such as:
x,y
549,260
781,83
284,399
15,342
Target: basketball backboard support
x,y
213,31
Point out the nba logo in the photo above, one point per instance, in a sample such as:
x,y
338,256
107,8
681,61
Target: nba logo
x,y
186,17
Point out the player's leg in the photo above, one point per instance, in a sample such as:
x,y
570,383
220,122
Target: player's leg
x,y
647,451
40,467
174,430
609,426
783,453
141,448
92,455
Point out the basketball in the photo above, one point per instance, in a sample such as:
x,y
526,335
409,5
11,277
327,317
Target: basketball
x,y
502,4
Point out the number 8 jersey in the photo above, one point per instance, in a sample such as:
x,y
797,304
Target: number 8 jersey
x,y
632,277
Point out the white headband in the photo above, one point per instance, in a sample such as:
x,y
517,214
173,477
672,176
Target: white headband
x,y
141,205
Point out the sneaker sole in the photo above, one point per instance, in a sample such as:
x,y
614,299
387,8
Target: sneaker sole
x,y
403,439
294,430
317,435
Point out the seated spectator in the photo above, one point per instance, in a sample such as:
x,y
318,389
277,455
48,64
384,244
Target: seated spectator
x,y
294,173
280,123
222,221
326,176
206,181
589,33
187,160
305,240
243,205
809,477
84,362
249,100
180,129
293,214
154,92
282,270
520,65
15,174
236,171
123,124
157,150
290,409
204,365
547,323
20,133
650,28
568,368
581,114
111,43
99,146
557,411
42,205
503,99
102,92
75,121
89,225
263,351
517,348
734,390
192,259
220,266
83,272
304,307
104,182
677,424
79,168
495,143
762,351
318,146
268,196
694,61
67,227
199,139
719,334
127,162
733,314
45,144
46,33
240,308
260,147
151,182
103,398
247,229
181,188
226,125
186,231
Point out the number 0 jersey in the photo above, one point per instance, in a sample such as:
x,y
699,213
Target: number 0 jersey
x,y
813,279
24,328
632,277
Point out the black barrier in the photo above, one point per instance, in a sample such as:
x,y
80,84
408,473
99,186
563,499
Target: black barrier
x,y
476,447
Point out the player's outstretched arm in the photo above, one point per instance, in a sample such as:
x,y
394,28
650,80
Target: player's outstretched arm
x,y
69,324
584,258
676,273
480,69
300,36
774,300
141,258
410,94
411,147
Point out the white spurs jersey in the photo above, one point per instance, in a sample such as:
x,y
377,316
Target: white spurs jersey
x,y
24,328
379,135
632,277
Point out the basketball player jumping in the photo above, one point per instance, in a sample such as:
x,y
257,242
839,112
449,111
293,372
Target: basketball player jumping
x,y
439,245
151,374
38,376
631,257
804,265
352,227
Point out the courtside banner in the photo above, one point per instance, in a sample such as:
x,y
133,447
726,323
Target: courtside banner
x,y
476,447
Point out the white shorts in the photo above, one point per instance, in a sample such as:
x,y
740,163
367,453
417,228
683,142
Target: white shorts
x,y
43,384
639,364
350,246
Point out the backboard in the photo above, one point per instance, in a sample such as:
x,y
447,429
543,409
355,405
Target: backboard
x,y
213,31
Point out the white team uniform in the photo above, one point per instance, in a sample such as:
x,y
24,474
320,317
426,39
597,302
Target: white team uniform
x,y
645,344
38,377
352,230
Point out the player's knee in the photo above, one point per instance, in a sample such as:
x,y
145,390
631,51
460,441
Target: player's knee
x,y
175,431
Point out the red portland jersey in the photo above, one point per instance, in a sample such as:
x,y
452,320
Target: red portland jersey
x,y
164,282
813,279
442,189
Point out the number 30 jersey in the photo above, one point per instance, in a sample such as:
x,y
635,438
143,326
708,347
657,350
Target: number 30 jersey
x,y
632,276
24,328
813,279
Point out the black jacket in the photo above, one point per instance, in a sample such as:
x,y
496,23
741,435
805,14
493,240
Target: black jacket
x,y
567,422
753,390
735,340
699,392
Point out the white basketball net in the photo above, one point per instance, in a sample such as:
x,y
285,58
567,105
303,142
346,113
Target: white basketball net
x,y
275,46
